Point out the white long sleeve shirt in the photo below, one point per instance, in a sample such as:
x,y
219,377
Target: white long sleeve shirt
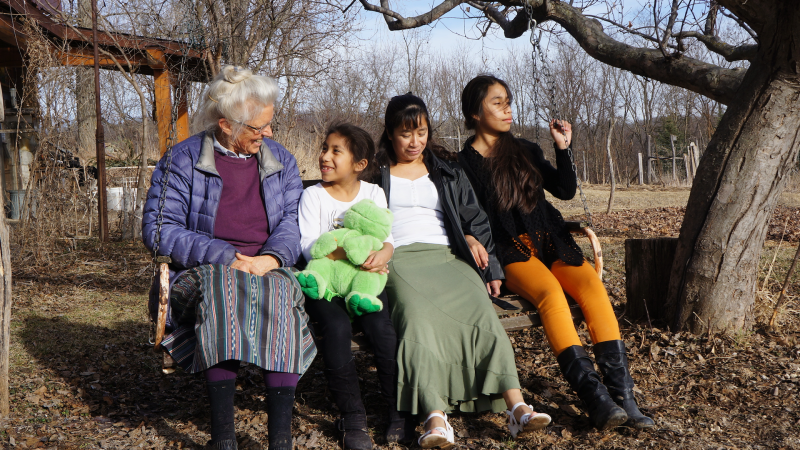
x,y
320,213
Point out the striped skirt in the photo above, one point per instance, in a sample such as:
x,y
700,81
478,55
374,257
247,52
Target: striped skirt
x,y
223,313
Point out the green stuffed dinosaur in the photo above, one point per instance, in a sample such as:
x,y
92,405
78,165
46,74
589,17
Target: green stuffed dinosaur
x,y
366,226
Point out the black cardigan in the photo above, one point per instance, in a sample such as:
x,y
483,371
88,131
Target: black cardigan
x,y
544,225
462,212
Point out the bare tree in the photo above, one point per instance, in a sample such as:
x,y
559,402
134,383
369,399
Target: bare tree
x,y
713,278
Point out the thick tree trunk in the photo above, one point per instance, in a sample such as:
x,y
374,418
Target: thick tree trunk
x,y
737,186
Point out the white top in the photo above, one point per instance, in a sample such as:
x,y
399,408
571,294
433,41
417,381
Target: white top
x,y
418,213
319,212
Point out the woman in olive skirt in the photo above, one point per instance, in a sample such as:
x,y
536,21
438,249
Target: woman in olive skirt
x,y
453,352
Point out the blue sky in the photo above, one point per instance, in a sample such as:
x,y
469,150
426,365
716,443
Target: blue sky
x,y
448,32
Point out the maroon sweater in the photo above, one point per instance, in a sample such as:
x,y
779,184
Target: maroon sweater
x,y
241,217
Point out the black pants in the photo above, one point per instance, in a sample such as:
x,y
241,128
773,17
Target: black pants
x,y
334,331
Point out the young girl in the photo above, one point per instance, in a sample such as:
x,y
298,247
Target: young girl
x,y
346,158
540,258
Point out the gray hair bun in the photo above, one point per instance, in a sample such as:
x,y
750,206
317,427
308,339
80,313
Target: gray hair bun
x,y
235,74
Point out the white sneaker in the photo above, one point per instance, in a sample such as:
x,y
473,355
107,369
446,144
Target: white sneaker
x,y
444,439
529,422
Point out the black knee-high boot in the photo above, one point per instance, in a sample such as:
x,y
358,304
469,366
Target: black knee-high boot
x,y
397,428
613,362
579,371
280,401
343,384
223,430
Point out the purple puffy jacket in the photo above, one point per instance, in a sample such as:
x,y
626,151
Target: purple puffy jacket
x,y
190,208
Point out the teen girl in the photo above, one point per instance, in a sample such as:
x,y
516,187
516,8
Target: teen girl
x,y
453,353
347,158
540,258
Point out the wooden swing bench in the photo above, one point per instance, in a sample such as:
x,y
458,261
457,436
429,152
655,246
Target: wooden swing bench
x,y
517,315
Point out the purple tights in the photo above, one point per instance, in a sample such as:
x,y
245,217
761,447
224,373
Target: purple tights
x,y
227,370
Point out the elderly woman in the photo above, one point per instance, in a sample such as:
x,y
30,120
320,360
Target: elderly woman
x,y
229,223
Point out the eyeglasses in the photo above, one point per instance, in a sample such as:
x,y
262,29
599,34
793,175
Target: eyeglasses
x,y
258,130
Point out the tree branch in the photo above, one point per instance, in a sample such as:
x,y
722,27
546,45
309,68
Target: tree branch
x,y
405,23
715,82
513,28
716,45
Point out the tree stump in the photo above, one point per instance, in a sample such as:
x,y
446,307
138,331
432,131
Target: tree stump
x,y
648,263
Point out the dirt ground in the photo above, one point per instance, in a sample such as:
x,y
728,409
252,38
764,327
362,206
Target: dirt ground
x,y
83,376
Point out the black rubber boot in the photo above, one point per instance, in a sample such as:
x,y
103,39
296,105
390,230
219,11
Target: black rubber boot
x,y
579,371
613,363
343,384
396,430
280,401
223,428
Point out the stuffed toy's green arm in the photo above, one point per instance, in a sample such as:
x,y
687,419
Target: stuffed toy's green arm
x,y
327,242
358,248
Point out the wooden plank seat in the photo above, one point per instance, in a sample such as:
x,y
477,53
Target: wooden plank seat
x,y
523,316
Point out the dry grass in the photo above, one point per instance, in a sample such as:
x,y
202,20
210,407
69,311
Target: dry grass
x,y
640,197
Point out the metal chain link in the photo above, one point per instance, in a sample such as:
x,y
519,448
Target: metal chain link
x,y
173,136
171,141
536,44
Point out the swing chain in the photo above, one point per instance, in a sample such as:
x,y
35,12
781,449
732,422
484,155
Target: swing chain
x,y
551,86
580,189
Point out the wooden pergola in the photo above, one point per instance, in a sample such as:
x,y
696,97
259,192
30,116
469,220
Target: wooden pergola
x,y
72,46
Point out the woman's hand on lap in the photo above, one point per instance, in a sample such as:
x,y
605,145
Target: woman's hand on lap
x,y
240,264
494,287
257,265
478,252
559,131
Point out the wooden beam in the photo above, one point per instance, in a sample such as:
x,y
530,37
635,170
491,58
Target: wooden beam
x,y
163,108
182,124
70,59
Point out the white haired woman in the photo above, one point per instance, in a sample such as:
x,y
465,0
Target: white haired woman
x,y
229,223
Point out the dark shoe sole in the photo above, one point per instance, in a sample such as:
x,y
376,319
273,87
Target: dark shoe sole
x,y
640,424
614,420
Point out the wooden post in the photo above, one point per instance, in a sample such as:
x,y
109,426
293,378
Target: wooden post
x,y
641,175
695,156
5,311
182,124
648,263
611,166
163,107
99,136
649,162
688,169
674,159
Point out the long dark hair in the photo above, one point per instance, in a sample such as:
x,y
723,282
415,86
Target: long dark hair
x,y
407,111
360,144
517,182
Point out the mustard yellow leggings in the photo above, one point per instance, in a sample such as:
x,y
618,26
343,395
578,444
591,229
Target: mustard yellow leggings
x,y
544,288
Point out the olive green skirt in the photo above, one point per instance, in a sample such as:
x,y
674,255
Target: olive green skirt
x,y
453,353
